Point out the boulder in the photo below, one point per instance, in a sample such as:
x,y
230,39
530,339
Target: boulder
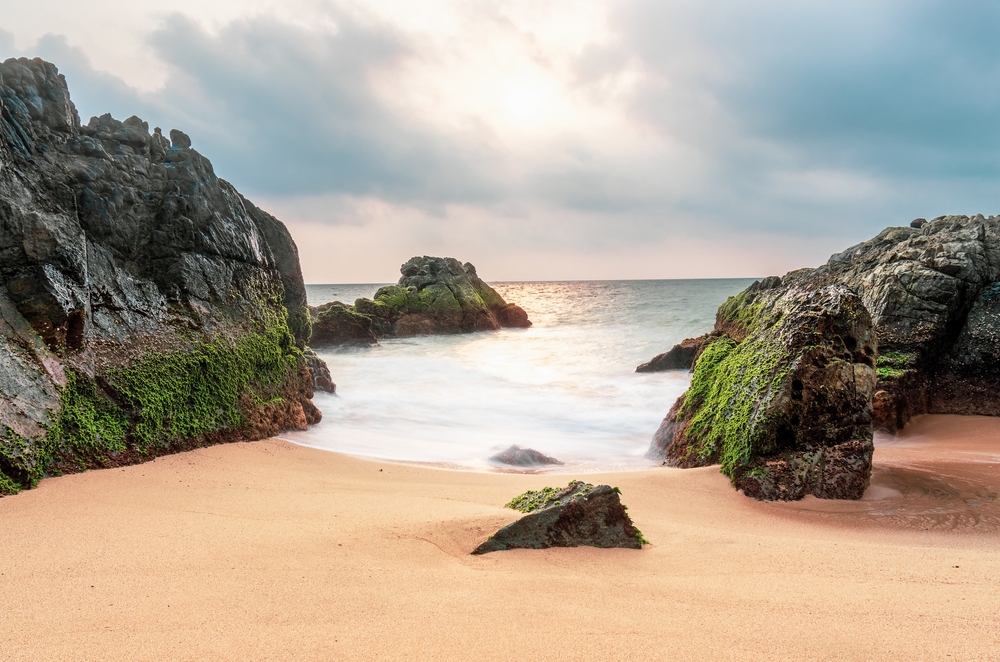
x,y
932,294
781,395
145,305
578,515
516,456
680,357
434,296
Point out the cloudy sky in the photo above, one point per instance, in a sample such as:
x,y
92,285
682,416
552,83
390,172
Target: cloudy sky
x,y
557,140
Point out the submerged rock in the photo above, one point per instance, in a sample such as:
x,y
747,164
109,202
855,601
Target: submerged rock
x,y
680,357
145,305
578,515
434,296
781,396
523,457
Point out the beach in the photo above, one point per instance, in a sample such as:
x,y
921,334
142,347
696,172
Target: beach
x,y
272,551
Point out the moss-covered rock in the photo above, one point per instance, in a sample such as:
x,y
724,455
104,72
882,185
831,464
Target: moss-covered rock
x,y
434,295
580,514
145,305
781,395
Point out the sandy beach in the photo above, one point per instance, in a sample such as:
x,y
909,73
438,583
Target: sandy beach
x,y
271,551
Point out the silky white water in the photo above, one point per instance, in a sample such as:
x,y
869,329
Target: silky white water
x,y
566,387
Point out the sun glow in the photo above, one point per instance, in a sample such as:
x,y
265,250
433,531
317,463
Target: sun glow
x,y
523,102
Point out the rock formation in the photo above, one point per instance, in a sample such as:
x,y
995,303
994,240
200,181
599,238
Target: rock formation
x,y
781,395
434,295
516,456
932,295
578,515
680,357
145,305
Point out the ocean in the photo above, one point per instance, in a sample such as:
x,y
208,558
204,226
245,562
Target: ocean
x,y
566,387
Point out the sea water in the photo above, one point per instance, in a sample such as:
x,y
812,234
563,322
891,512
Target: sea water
x,y
566,387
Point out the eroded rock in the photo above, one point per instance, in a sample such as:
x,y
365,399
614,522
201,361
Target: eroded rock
x,y
578,515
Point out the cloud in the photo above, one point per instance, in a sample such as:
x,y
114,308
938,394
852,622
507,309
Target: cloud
x,y
592,128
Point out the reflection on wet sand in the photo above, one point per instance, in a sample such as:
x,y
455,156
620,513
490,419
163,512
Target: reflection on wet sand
x,y
939,473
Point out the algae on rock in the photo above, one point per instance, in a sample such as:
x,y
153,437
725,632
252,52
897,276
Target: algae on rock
x,y
781,395
579,514
434,295
145,305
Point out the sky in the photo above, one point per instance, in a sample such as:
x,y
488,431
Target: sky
x,y
550,140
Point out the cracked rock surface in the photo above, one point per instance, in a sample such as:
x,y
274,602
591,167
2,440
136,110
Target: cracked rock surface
x,y
117,246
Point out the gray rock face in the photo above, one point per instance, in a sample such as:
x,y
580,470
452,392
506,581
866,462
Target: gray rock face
x,y
434,296
578,515
932,295
118,250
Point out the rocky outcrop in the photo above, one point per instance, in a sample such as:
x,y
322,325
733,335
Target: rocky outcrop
x,y
578,515
932,292
516,456
434,296
934,297
145,305
781,395
680,357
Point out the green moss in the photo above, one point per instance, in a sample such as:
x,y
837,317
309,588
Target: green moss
x,y
394,297
88,423
372,308
188,394
893,365
736,310
8,486
158,401
728,402
641,538
300,326
532,499
343,313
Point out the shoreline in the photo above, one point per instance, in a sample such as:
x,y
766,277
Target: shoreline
x,y
269,550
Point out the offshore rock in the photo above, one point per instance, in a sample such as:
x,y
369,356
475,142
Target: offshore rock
x,y
578,515
516,456
781,395
145,305
680,357
434,296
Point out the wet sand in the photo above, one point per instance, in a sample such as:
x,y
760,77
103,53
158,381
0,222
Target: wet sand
x,y
269,551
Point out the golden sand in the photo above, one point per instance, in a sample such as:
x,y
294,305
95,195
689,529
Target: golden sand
x,y
270,551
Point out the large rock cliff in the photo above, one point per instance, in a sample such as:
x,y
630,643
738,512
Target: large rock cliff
x,y
145,305
434,295
931,301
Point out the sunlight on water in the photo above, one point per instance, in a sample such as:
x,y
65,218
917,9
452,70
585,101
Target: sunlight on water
x,y
565,387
